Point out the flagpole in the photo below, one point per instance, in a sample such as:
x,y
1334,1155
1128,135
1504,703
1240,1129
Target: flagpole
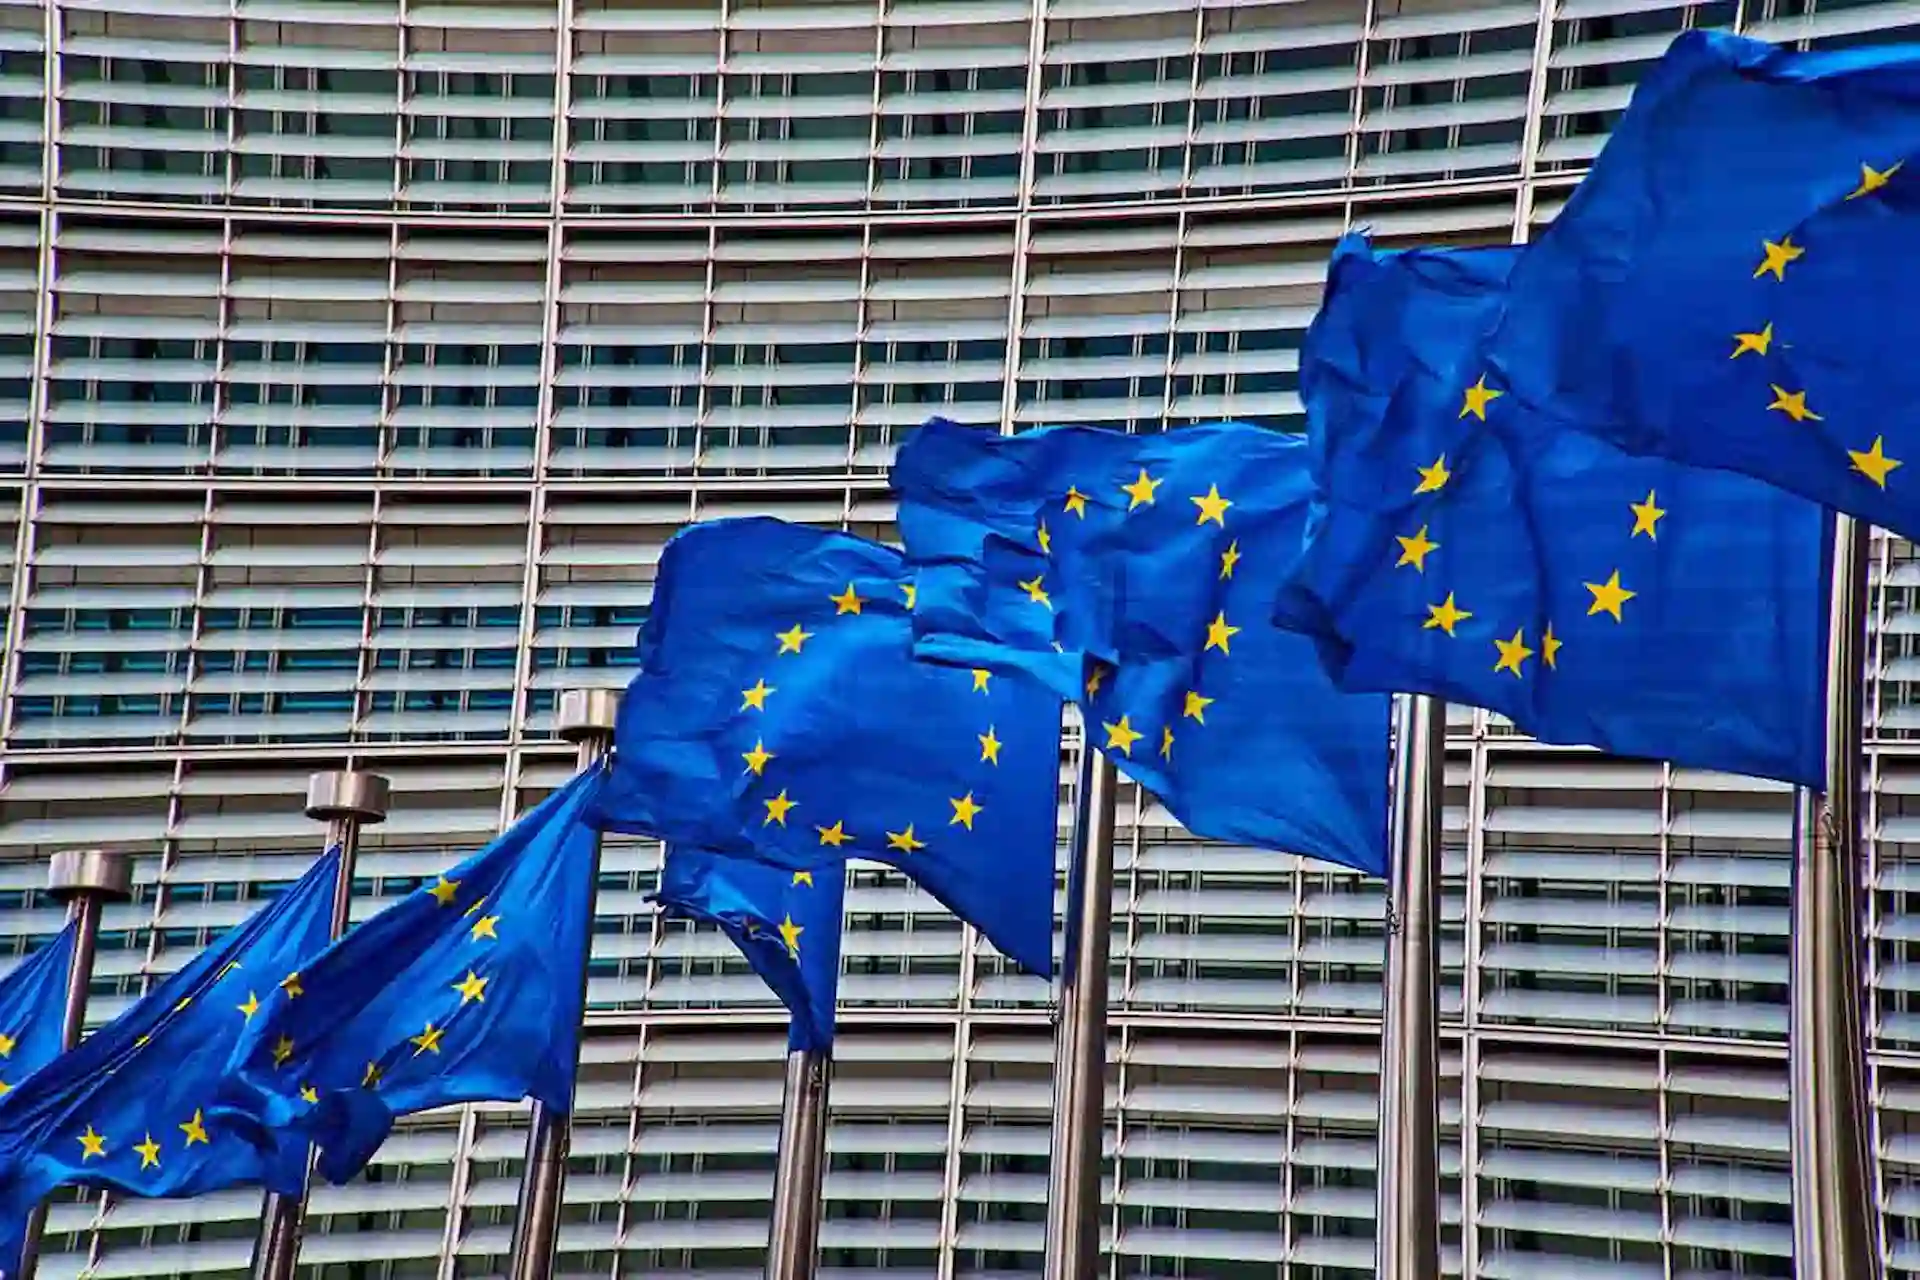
x,y
793,1241
586,718
1074,1205
85,880
1833,1185
1408,1172
346,800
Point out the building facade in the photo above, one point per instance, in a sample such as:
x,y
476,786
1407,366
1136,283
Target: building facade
x,y
357,357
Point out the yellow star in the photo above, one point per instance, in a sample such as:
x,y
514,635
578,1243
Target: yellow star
x,y
756,697
472,987
980,678
226,969
1646,515
790,934
428,1041
5,1088
1046,540
757,758
195,1129
1414,550
484,928
965,811
251,1007
444,890
1228,559
1754,342
149,1152
904,841
1122,735
847,601
1140,491
1513,654
1096,676
291,985
1874,464
92,1145
1166,742
989,747
282,1050
1872,179
777,809
1218,633
1446,615
1550,647
792,638
370,1079
801,878
1196,707
835,835
1076,502
6,1046
1478,397
1793,404
187,1000
309,1094
1212,506
1433,478
474,910
1608,596
910,593
1778,256
1036,590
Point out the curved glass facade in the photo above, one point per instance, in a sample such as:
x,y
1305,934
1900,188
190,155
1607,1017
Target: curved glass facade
x,y
356,358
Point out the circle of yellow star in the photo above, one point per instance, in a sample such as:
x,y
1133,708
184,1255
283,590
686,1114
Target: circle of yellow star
x,y
847,601
1096,676
1121,735
1608,596
1513,654
472,987
1218,633
92,1145
291,985
428,1041
1076,502
372,1076
1756,342
1212,506
1872,179
1036,590
1166,742
964,811
778,808
1874,464
195,1129
444,890
1646,517
1433,478
756,697
282,1050
790,935
251,1007
1478,397
1228,559
6,1046
792,638
149,1152
484,928
910,593
1777,257
989,747
1549,647
835,835
1046,540
1415,550
1195,707
1446,615
980,678
1793,404
904,841
757,758
1140,492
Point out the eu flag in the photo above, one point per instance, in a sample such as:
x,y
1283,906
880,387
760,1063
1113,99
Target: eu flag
x,y
1136,575
779,714
786,924
1463,547
467,990
131,1108
1731,285
33,1004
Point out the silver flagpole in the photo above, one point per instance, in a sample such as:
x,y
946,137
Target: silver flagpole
x,y
346,800
793,1242
1074,1207
586,719
86,880
1833,1185
1408,1176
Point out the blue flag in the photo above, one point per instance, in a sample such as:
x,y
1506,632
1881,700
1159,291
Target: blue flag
x,y
132,1107
1136,575
1464,548
468,990
1730,286
786,924
33,1004
778,714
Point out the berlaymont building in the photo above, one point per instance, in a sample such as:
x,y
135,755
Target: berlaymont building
x,y
357,358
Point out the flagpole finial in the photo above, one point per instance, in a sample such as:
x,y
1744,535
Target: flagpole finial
x,y
334,794
102,873
586,713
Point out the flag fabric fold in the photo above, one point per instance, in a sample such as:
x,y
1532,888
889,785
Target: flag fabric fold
x,y
785,923
779,715
1135,575
1464,547
33,1005
466,990
131,1108
1729,285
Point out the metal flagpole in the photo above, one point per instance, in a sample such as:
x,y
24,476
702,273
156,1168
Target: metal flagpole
x,y
586,719
1833,1205
1080,1048
86,880
1408,1174
793,1245
346,800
